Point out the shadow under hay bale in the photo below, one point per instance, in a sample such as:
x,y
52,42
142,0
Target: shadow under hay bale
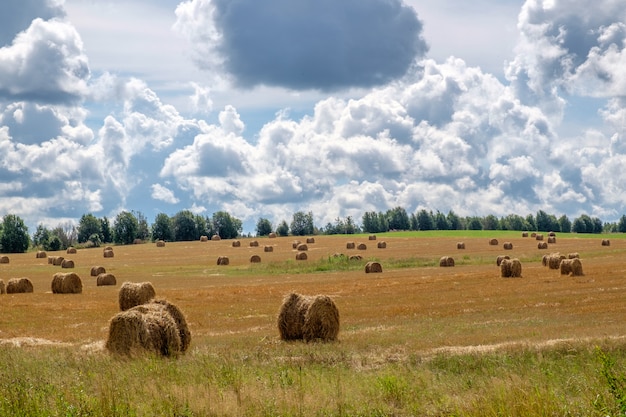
x,y
19,285
267,248
572,267
301,256
67,263
132,294
446,261
500,258
40,254
511,268
70,250
97,270
160,243
508,246
66,283
493,242
105,279
350,245
108,253
255,259
302,247
606,242
381,245
223,260
308,318
236,244
373,267
542,245
460,245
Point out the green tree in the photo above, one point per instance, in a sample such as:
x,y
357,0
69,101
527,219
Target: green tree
x,y
107,234
425,220
302,224
41,237
184,226
531,222
14,237
263,227
143,230
162,228
398,219
125,228
621,225
474,223
88,225
490,222
283,229
227,226
441,222
454,221
565,225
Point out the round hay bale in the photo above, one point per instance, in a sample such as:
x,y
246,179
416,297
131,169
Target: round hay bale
x,y
310,240
4,259
58,261
361,246
254,244
460,245
291,316
524,234
255,259
3,289
108,253
295,244
204,238
533,234
542,245
67,263
267,248
19,285
493,242
223,260
144,328
500,258
51,259
132,294
216,237
573,255
40,254
511,268
551,234
508,246
71,250
66,283
236,244
105,279
554,260
160,243
302,247
446,261
355,258
350,245
301,256
545,260
181,322
381,245
97,270
272,235
371,237
539,237
606,242
106,248
551,239
137,242
373,267
572,267
321,320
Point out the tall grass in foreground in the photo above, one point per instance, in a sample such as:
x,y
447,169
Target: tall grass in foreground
x,y
296,379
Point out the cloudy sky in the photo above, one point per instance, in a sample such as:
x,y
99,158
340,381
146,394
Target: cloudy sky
x,y
263,109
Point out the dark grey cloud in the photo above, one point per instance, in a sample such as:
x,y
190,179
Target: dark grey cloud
x,y
16,16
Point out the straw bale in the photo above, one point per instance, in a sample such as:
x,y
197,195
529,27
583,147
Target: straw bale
x,y
295,244
381,245
554,260
71,250
67,263
19,285
132,294
533,234
204,238
4,259
524,234
310,240
572,267
511,268
573,255
508,246
255,259
160,243
254,243
545,260
302,247
539,237
40,254
223,260
3,289
350,245
58,261
291,316
373,267
272,235
500,258
606,242
446,261
493,242
137,242
355,258
51,259
551,234
181,322
311,318
97,270
542,245
236,244
460,245
105,279
106,248
551,239
361,246
108,253
268,248
66,283
216,237
301,256
371,237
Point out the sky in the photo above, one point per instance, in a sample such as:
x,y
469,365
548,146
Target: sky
x,y
263,109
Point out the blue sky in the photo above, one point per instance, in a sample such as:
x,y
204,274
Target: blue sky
x,y
264,109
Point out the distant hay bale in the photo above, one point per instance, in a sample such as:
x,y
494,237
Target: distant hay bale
x,y
3,289
19,285
97,270
308,318
106,248
105,279
137,242
40,254
272,235
310,240
216,237
58,260
511,268
373,267
554,260
539,237
204,238
381,245
71,250
350,245
493,242
545,260
361,246
4,259
500,258
67,263
524,234
460,245
551,239
446,261
51,259
371,237
255,259
542,245
223,260
236,244
606,242
338,255
572,267
132,294
302,247
295,243
268,248
160,243
533,234
66,283
355,258
573,255
108,253
301,256
254,244
551,234
508,246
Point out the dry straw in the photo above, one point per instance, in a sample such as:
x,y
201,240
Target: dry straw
x,y
493,242
539,237
301,256
66,283
361,246
524,234
71,250
254,243
573,255
310,318
381,245
268,248
554,260
542,245
508,246
223,260
446,261
302,247
272,235
105,279
216,237
511,268
67,263
373,267
371,237
310,240
551,239
350,245
108,253
58,260
236,244
572,267
135,293
97,270
295,243
500,258
40,254
4,259
606,242
460,245
355,257
255,259
19,285
204,238
160,243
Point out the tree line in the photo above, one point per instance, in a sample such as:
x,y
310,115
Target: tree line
x,y
131,226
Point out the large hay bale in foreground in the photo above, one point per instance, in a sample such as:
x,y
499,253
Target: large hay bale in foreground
x,y
223,260
308,318
19,285
373,267
508,246
135,293
66,283
67,263
350,245
105,279
181,322
511,268
97,270
446,261
3,289
500,258
108,253
40,254
572,267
